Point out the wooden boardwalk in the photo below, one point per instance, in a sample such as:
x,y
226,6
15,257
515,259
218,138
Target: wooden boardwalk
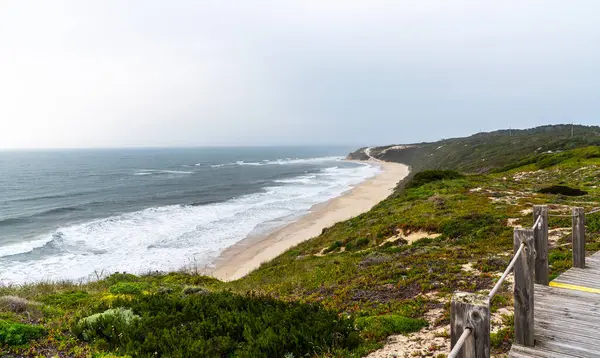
x,y
567,315
551,319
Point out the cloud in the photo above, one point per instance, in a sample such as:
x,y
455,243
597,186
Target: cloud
x,y
150,73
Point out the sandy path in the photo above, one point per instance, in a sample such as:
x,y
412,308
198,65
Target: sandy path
x,y
247,255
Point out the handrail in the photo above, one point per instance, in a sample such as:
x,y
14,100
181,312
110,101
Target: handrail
x,y
470,312
571,215
459,344
506,272
537,225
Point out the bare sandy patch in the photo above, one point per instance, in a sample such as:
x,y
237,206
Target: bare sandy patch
x,y
411,237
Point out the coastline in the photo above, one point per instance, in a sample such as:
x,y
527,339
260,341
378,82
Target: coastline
x,y
248,254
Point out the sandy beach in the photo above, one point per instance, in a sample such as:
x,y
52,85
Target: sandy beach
x,y
247,255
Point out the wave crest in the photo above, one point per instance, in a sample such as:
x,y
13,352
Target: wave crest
x,y
168,237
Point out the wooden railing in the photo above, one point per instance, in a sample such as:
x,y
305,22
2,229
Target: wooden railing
x,y
470,312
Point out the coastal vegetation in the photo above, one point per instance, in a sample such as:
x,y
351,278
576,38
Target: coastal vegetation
x,y
389,271
494,151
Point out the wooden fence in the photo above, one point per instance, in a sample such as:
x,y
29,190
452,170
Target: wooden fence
x,y
470,313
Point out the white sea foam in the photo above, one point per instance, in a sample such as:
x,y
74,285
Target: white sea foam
x,y
303,179
167,238
288,161
283,161
21,247
157,171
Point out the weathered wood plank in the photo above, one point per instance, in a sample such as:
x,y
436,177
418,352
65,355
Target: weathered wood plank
x,y
579,276
567,316
546,315
591,272
593,260
561,302
566,348
521,351
541,245
565,337
524,288
579,282
568,307
579,237
560,326
566,321
472,311
565,292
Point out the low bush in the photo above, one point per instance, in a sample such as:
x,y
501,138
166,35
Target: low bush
x,y
333,247
429,176
13,304
121,277
549,160
195,290
220,324
128,288
14,334
67,299
111,321
379,327
471,225
562,190
357,244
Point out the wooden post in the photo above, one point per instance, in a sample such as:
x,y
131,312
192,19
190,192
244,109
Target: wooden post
x,y
469,310
524,271
579,237
541,245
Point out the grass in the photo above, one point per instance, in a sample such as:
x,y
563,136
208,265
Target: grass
x,y
346,281
379,327
15,334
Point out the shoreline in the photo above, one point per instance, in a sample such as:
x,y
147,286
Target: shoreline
x,y
248,254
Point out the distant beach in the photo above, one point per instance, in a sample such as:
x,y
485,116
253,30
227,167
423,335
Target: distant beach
x,y
248,254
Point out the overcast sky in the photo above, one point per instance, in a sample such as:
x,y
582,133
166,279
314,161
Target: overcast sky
x,y
113,73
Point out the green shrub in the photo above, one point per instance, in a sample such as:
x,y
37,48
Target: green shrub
x,y
121,277
549,160
66,299
128,288
333,247
429,176
218,325
592,222
503,338
14,334
195,290
111,321
379,327
473,225
357,244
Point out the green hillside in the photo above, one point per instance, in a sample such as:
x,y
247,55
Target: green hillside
x,y
484,152
389,271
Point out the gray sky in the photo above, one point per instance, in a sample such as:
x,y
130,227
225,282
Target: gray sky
x,y
112,73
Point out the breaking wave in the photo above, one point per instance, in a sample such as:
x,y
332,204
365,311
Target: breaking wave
x,y
169,237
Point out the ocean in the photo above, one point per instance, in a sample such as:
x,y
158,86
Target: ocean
x,y
81,214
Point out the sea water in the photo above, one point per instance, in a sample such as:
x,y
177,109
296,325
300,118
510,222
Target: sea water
x,y
81,214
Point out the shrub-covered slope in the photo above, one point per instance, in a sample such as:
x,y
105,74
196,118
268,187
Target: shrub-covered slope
x,y
484,152
389,271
